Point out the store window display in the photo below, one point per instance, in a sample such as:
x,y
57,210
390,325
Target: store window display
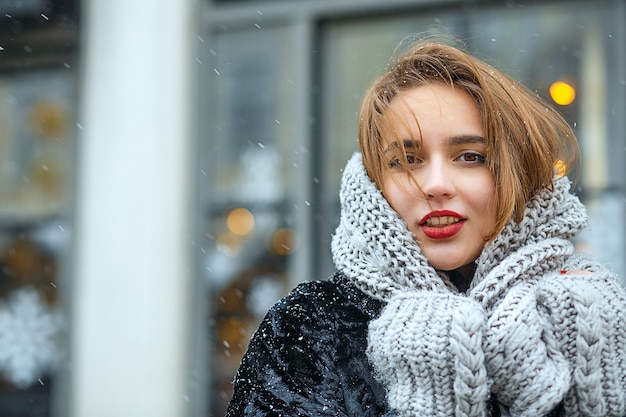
x,y
38,87
251,211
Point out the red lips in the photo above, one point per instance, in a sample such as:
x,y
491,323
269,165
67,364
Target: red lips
x,y
442,224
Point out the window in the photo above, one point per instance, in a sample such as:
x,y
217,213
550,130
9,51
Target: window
x,y
38,89
253,164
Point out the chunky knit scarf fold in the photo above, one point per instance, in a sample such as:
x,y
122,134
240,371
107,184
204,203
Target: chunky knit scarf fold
x,y
522,332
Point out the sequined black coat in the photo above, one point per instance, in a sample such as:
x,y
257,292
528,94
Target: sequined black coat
x,y
308,357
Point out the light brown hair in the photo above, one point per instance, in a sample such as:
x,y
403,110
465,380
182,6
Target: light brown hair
x,y
525,137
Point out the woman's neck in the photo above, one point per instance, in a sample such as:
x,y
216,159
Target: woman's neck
x,y
462,277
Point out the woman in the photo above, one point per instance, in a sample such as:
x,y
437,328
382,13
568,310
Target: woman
x,y
457,292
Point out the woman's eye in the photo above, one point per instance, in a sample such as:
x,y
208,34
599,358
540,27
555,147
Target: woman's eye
x,y
472,157
396,162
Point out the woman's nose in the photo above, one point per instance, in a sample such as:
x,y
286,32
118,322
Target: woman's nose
x,y
438,181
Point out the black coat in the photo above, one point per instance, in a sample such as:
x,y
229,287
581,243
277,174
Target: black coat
x,y
308,357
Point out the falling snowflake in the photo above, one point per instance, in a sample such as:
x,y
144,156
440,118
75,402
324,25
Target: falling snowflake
x,y
28,337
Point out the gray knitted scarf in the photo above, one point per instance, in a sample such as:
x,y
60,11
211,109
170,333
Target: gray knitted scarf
x,y
523,332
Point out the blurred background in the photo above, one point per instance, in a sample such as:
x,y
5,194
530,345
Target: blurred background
x,y
170,169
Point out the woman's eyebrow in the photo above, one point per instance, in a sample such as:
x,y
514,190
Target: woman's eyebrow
x,y
408,143
451,141
464,140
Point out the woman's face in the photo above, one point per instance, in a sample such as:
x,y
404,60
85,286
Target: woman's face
x,y
454,210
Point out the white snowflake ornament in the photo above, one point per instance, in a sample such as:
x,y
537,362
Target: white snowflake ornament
x,y
29,331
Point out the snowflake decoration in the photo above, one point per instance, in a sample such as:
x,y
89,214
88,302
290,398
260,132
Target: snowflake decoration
x,y
28,337
261,177
263,294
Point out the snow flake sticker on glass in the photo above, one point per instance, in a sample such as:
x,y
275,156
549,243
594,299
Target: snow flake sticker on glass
x,y
29,330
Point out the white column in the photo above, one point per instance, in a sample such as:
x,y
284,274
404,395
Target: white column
x,y
132,266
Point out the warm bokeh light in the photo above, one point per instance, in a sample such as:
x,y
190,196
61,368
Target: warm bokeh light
x,y
562,93
283,241
240,222
561,168
229,244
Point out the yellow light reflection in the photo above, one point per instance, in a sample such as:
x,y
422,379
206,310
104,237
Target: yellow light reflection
x,y
562,93
240,222
561,168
